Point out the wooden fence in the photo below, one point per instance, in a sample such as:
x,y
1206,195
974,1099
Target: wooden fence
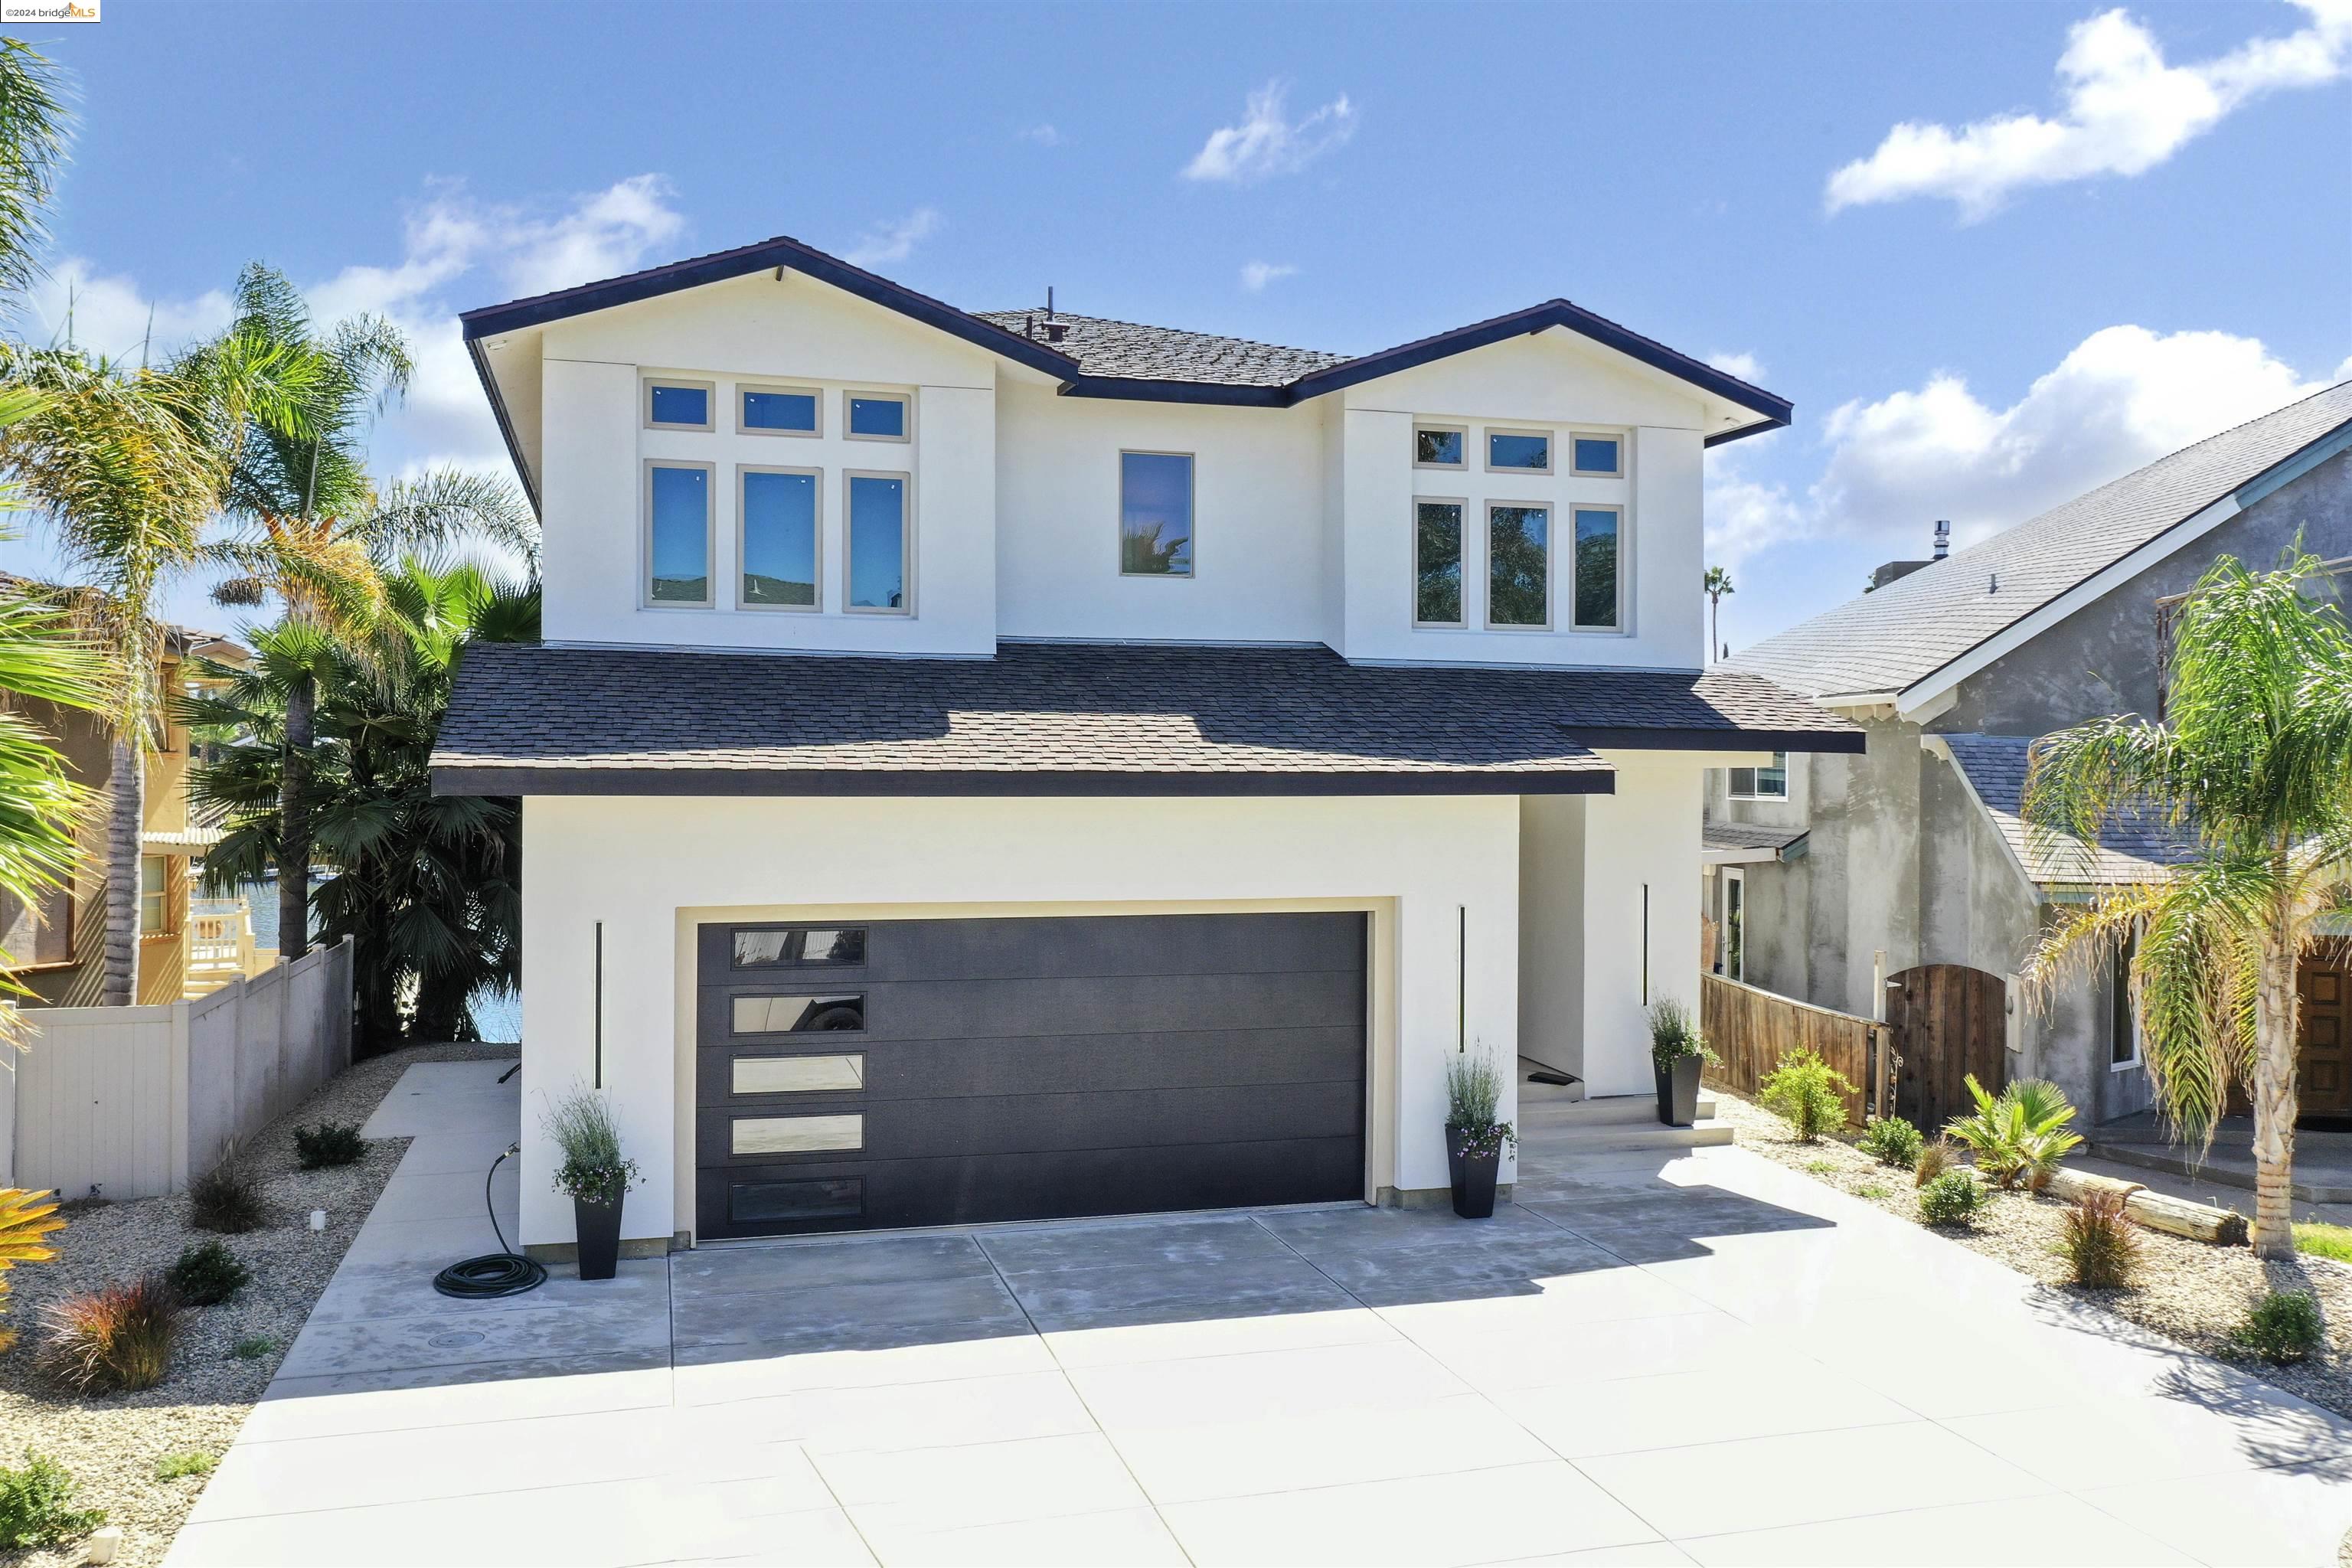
x,y
1751,1031
131,1101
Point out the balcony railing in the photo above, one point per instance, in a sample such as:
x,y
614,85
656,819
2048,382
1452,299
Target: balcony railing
x,y
220,945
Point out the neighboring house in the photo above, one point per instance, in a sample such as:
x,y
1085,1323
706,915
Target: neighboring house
x,y
1917,849
997,766
188,946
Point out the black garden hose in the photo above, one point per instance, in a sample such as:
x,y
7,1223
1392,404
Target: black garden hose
x,y
501,1273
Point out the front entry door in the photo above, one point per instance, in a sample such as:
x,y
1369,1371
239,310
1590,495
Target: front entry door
x,y
2324,1072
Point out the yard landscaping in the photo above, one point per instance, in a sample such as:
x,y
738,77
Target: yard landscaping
x,y
142,1456
2191,1293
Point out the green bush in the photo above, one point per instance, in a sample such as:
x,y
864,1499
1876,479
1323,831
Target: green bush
x,y
1952,1198
328,1144
2284,1326
253,1347
226,1199
2019,1133
1934,1160
206,1275
1891,1141
36,1506
1808,1093
2099,1241
116,1339
195,1462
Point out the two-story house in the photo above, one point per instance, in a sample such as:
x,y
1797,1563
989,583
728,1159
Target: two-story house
x,y
1917,849
989,766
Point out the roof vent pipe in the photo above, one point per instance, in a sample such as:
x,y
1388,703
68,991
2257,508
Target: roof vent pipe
x,y
1943,538
1054,331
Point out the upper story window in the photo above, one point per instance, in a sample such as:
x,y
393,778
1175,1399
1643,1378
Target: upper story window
x,y
1598,529
777,537
1762,784
878,415
1518,451
155,895
679,405
1596,456
1437,562
1155,514
1518,565
881,525
779,411
678,533
1440,447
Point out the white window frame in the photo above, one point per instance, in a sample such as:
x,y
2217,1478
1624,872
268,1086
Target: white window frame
x,y
1191,518
645,600
742,555
709,390
814,394
1616,628
1610,436
906,400
1551,448
1486,560
1412,562
161,896
1462,430
906,540
1734,792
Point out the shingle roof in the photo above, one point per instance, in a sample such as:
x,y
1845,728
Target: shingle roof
x,y
2134,847
1074,720
1714,835
1903,633
1130,350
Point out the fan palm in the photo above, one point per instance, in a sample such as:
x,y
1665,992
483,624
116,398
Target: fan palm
x,y
2252,760
310,529
2020,1132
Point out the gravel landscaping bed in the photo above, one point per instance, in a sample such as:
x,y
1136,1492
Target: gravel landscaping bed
x,y
111,1444
2189,1291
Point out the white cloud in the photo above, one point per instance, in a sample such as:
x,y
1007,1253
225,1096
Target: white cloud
x,y
2126,112
1043,135
1746,366
2124,397
1266,144
895,241
1257,275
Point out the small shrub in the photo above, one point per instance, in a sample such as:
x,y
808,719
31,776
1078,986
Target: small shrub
x,y
2018,1134
2099,1242
206,1275
113,1339
1952,1198
253,1347
1675,1034
1875,1190
194,1462
1934,1160
1891,1141
581,1125
2284,1326
1808,1093
226,1199
1821,1167
328,1144
36,1506
1474,1093
2323,1240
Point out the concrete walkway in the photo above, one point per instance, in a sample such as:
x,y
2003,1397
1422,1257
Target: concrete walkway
x,y
1651,1359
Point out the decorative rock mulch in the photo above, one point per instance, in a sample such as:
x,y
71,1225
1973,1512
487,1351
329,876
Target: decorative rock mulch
x,y
2189,1291
111,1444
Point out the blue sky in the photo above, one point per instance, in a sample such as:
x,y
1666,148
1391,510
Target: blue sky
x,y
1995,253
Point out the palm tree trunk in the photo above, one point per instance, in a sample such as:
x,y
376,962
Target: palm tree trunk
x,y
1713,628
294,822
127,808
2275,1096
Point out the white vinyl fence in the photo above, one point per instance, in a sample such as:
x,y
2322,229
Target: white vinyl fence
x,y
131,1101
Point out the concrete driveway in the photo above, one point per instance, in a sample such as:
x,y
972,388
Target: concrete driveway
x,y
1648,1360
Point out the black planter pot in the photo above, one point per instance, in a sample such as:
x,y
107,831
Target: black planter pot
x,y
597,1222
1678,1090
1474,1177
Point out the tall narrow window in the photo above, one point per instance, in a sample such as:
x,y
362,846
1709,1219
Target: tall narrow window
x,y
1155,514
779,518
2122,1041
1597,531
1735,924
155,895
678,533
1518,565
1437,562
878,544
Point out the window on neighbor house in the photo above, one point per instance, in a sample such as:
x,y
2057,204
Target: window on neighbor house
x,y
1437,562
1518,565
2122,1041
880,524
1762,784
1735,924
1440,447
1596,456
777,410
1518,451
38,932
155,895
1155,514
679,405
878,415
1598,532
678,533
777,514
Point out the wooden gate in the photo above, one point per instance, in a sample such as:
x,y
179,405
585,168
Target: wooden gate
x,y
1949,1021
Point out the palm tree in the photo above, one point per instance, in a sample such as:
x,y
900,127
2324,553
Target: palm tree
x,y
1717,583
2254,761
35,129
310,529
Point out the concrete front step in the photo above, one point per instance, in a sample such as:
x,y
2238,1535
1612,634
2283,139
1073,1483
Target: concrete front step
x,y
1616,1110
1608,1138
2225,1172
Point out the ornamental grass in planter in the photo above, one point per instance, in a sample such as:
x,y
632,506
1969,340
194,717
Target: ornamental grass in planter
x,y
1474,1140
1678,1054
593,1174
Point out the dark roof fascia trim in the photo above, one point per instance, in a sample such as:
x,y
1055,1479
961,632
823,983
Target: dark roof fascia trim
x,y
491,319
1723,438
808,781
1847,742
1137,389
506,425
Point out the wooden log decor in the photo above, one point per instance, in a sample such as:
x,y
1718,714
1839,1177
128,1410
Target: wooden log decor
x,y
2074,1186
2179,1216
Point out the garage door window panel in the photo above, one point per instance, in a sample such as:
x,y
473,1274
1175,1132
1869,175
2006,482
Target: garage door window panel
x,y
789,947
843,1073
795,1202
798,1013
766,1136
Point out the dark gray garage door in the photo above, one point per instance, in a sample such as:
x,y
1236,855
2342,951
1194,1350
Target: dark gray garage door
x,y
942,1072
